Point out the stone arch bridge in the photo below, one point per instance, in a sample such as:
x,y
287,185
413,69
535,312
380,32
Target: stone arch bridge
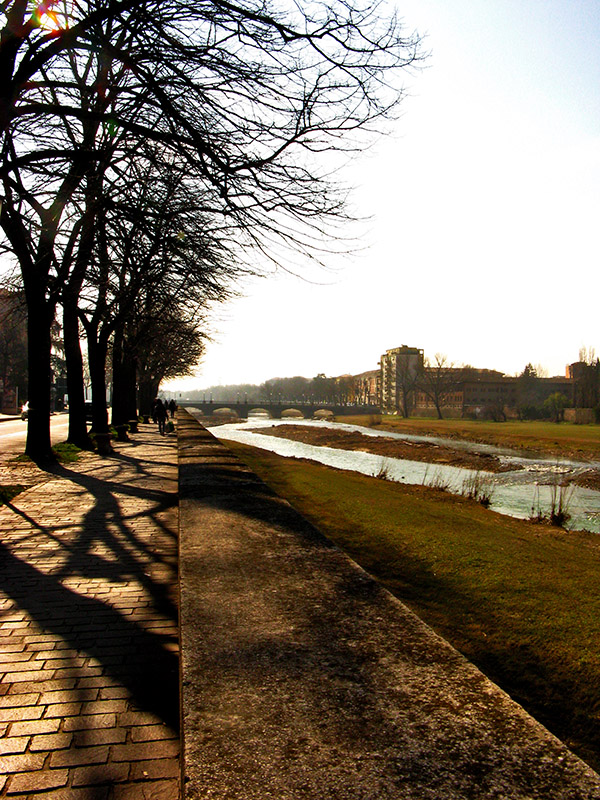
x,y
276,409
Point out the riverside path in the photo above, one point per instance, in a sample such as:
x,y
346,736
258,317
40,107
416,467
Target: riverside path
x,y
89,694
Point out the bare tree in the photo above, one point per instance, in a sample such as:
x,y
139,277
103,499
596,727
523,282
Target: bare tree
x,y
409,373
172,351
438,380
586,376
247,95
13,346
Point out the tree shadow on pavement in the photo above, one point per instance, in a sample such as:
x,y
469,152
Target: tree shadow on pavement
x,y
129,625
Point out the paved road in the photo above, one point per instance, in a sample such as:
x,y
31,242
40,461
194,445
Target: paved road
x,y
13,433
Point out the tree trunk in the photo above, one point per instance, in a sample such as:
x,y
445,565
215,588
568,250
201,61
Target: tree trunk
x,y
130,388
124,401
78,434
97,350
148,389
39,320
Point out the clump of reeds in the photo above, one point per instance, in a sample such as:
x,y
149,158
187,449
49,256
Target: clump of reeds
x,y
479,486
384,471
437,480
561,495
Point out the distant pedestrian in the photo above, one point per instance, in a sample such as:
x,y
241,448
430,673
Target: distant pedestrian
x,y
172,408
160,414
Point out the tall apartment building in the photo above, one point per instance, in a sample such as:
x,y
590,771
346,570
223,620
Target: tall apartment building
x,y
398,372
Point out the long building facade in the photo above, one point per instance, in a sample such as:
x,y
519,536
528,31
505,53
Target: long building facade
x,y
408,386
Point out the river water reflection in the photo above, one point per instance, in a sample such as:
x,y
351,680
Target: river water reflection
x,y
521,492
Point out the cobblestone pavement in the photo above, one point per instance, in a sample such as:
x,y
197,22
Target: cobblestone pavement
x,y
89,698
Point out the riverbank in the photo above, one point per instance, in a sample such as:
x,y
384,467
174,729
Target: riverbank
x,y
563,440
427,452
518,599
391,448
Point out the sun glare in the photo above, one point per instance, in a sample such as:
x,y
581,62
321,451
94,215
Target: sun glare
x,y
46,18
48,21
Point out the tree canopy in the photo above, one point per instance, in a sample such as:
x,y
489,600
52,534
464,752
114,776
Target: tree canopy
x,y
246,103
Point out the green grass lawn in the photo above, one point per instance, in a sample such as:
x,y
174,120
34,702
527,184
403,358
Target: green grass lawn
x,y
562,439
520,600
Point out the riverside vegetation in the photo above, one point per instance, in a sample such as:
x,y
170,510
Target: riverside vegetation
x,y
564,440
518,599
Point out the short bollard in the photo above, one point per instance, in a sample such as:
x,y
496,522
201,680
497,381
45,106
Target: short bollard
x,y
122,433
103,444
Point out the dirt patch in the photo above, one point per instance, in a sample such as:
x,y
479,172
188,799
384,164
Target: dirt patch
x,y
393,448
590,479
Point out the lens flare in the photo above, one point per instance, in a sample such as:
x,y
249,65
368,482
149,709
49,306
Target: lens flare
x,y
45,17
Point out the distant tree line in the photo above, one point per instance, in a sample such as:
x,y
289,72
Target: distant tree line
x,y
342,390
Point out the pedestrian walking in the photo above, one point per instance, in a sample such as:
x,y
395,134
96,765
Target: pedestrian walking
x,y
172,407
160,415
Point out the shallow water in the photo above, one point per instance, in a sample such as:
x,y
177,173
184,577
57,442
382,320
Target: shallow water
x,y
522,492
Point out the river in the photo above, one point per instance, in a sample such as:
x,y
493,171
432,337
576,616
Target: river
x,y
529,489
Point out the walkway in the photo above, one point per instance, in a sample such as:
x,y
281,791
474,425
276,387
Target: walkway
x,y
89,700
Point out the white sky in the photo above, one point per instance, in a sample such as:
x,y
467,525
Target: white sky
x,y
485,206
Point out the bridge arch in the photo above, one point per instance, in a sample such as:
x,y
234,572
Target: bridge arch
x,y
323,413
259,412
292,413
226,412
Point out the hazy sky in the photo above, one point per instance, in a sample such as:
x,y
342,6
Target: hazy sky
x,y
484,205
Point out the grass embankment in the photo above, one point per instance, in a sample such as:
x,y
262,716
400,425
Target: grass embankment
x,y
519,600
565,439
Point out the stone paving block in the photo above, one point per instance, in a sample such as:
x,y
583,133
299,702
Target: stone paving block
x,y
49,685
38,781
51,741
142,751
21,763
17,713
12,745
137,717
151,733
79,756
29,676
10,646
35,727
105,773
160,790
62,710
21,700
104,707
13,658
20,664
86,793
98,681
100,736
113,693
154,770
